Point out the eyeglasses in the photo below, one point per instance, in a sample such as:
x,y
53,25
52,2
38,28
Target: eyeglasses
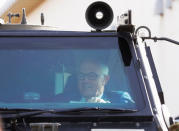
x,y
89,76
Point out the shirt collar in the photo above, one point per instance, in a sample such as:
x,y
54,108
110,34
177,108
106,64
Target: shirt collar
x,y
84,99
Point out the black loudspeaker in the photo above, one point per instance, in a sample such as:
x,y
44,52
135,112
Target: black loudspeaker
x,y
99,15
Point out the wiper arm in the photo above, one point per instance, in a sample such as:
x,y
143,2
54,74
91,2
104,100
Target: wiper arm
x,y
94,109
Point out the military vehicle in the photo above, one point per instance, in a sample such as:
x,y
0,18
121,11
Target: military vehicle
x,y
40,70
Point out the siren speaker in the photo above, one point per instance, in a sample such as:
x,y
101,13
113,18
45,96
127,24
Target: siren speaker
x,y
99,15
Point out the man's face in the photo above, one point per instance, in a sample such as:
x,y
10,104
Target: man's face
x,y
91,80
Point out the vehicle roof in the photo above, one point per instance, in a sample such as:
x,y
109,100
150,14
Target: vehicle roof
x,y
35,30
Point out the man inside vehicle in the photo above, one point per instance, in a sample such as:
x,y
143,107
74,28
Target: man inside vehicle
x,y
92,78
89,85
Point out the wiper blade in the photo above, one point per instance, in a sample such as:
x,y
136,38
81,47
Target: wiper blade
x,y
19,113
17,110
94,109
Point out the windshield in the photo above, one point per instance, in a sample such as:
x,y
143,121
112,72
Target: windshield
x,y
66,73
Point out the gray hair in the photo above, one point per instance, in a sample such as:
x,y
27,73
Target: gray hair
x,y
104,68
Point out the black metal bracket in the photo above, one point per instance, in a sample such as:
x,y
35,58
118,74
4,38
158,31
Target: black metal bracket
x,y
10,15
154,38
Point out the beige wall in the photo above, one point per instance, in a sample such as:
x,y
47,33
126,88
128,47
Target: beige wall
x,y
69,15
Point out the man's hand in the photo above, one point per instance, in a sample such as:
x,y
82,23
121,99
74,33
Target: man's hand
x,y
97,100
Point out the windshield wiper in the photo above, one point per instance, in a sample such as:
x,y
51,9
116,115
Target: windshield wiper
x,y
26,113
94,110
17,109
19,113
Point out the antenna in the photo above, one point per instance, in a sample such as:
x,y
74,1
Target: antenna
x,y
23,17
42,18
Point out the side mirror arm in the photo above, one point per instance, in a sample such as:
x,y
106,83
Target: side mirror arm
x,y
153,38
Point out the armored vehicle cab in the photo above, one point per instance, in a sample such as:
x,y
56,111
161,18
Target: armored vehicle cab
x,y
101,80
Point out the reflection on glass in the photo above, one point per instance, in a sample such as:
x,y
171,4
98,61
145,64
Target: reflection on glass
x,y
65,78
